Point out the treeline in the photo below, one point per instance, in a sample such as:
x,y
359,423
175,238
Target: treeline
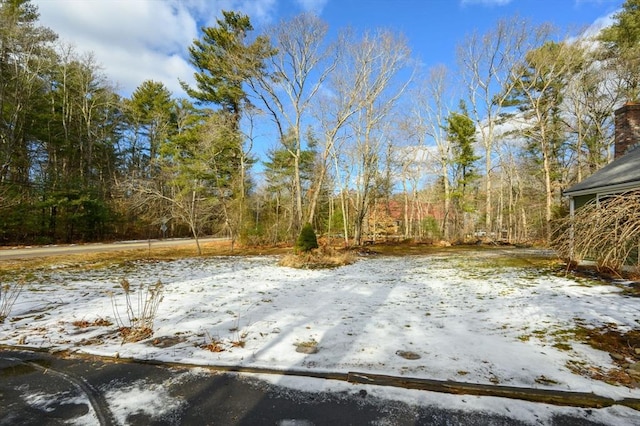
x,y
363,142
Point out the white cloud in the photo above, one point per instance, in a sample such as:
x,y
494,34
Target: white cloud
x,y
137,40
598,25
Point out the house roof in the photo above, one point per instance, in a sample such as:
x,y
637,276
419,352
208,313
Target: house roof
x,y
622,174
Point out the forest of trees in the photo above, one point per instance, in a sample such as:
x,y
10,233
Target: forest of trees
x,y
367,143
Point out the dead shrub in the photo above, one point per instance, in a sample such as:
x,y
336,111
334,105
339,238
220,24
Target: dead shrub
x,y
322,257
139,321
8,295
606,230
213,344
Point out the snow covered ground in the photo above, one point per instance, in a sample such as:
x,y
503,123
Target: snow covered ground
x,y
465,317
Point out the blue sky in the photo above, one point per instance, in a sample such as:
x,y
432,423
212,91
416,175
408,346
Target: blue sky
x,y
434,27
135,40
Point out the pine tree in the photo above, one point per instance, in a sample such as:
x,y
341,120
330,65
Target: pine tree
x,y
307,240
622,47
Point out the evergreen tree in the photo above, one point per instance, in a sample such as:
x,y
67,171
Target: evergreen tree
x,y
225,62
461,132
622,47
151,115
25,57
307,240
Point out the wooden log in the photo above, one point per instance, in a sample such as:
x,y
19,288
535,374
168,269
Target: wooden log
x,y
547,396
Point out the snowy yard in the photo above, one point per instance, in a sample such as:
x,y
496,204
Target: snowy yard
x,y
468,316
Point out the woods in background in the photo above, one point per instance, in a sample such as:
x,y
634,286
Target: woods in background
x,y
357,139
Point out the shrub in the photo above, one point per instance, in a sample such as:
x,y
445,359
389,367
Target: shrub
x,y
8,295
605,230
326,257
307,240
139,323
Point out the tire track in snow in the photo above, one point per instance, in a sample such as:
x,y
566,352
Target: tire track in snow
x,y
97,401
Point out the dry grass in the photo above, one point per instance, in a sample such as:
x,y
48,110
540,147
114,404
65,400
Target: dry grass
x,y
213,344
323,257
95,260
24,268
8,295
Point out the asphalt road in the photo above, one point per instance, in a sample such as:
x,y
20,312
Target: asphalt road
x,y
42,389
58,250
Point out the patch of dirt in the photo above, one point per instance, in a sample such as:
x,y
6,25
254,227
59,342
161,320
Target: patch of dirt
x,y
622,348
408,355
309,347
633,289
167,341
545,380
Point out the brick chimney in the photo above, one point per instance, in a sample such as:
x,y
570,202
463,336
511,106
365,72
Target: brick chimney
x,y
627,128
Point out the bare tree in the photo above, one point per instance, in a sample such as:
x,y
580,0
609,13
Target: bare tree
x,y
198,181
432,106
411,161
589,97
295,75
489,64
333,110
378,61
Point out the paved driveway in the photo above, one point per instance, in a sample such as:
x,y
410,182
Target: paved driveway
x,y
41,389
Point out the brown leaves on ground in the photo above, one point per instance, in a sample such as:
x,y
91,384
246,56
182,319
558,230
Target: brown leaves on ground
x,y
213,346
131,334
100,322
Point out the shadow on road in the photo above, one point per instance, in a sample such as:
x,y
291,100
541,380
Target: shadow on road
x,y
38,388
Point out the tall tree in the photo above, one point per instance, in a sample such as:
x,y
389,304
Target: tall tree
x,y
225,63
489,65
151,116
297,71
429,123
378,61
589,97
199,180
622,47
25,54
539,93
461,131
280,172
76,139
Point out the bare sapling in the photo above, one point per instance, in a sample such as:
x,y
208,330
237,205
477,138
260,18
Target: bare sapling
x,y
140,315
